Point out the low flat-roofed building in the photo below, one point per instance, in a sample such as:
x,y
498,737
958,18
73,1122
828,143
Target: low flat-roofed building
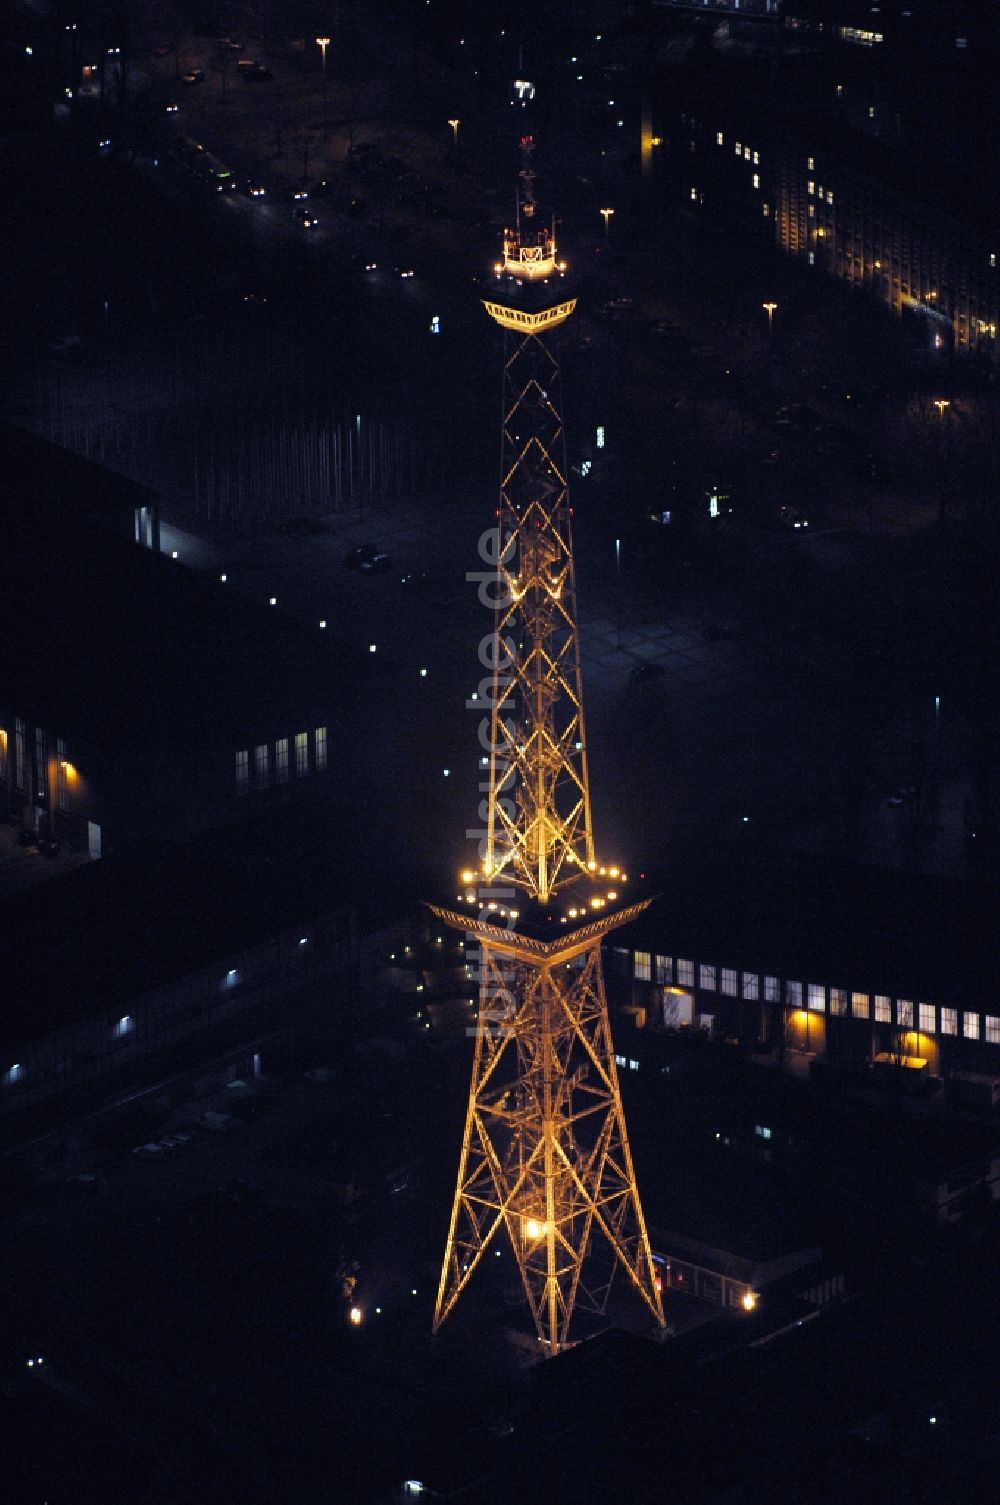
x,y
139,699
39,474
125,972
807,958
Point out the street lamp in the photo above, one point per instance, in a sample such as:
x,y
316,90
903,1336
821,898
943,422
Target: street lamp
x,y
769,310
941,403
605,215
323,43
454,129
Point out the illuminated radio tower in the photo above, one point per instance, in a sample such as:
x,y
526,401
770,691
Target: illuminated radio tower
x,y
545,1155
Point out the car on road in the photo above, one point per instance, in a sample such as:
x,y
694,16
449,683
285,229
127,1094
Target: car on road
x,y
193,76
254,189
641,673
788,517
214,1123
305,217
151,1151
369,559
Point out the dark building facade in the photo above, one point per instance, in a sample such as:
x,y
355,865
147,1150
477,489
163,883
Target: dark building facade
x,y
140,699
853,208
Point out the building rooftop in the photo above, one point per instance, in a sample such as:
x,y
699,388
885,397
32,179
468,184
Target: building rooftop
x,y
106,933
120,648
47,475
789,914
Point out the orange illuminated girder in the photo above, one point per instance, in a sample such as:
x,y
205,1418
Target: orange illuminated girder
x,y
545,1155
538,818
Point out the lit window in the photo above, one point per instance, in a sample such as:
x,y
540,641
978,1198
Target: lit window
x,y
281,761
620,1060
242,771
664,969
883,1009
62,776
706,977
810,187
756,180
812,211
746,153
993,1029
633,1065
859,1005
641,966
817,996
793,995
949,1021
904,1013
301,753
829,195
320,745
762,1131
811,163
756,159
739,149
751,985
729,981
720,140
694,195
772,990
993,258
20,757
685,972
838,1001
927,1015
970,1026
260,763
812,258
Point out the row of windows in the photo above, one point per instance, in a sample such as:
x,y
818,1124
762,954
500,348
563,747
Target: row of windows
x,y
41,763
276,769
928,1018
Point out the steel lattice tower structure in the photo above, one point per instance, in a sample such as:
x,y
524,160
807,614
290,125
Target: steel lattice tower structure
x,y
545,1155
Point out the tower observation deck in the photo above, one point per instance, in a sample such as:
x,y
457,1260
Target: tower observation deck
x,y
545,1159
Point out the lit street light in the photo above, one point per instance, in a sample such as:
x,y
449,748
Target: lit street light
x,y
605,215
323,43
454,131
769,310
941,403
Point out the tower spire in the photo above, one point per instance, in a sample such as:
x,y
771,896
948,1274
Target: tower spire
x,y
545,1156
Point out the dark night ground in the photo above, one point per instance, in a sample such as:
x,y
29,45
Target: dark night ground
x,y
247,1295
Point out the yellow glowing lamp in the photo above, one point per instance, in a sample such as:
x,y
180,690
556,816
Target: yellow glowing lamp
x,y
355,1316
749,1301
534,1229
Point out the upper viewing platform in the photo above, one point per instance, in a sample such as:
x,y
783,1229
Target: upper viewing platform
x,y
525,297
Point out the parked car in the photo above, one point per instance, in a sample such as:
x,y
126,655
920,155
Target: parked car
x,y
640,673
151,1151
369,559
214,1123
